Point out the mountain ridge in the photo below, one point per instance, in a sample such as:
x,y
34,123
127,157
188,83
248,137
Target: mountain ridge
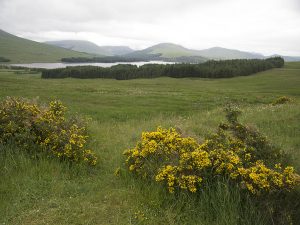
x,y
170,50
91,48
226,53
18,50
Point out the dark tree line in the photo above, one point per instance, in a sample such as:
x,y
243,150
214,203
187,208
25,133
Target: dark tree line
x,y
3,59
209,69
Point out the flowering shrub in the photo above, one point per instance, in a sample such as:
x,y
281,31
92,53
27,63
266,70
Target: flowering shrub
x,y
45,127
282,100
237,152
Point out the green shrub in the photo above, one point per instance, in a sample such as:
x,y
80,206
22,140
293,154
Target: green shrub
x,y
3,59
282,100
45,129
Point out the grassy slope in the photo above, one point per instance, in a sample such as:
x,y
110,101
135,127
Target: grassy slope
x,y
169,50
224,53
48,192
20,50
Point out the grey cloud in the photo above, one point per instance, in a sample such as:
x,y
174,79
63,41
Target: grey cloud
x,y
196,23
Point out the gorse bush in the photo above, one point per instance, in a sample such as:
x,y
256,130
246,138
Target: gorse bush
x,y
282,100
45,129
3,59
236,152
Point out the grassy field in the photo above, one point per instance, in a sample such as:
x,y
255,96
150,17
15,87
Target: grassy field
x,y
50,192
20,50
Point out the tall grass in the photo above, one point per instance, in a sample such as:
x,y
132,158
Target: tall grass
x,y
38,190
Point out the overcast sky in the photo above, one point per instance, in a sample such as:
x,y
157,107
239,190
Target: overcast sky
x,y
265,26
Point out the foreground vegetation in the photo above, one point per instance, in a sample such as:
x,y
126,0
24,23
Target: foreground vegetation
x,y
209,69
44,129
235,152
40,190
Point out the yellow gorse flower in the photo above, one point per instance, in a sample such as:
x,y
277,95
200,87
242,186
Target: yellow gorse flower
x,y
182,163
28,123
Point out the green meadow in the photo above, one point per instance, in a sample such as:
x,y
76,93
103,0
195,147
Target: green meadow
x,y
47,191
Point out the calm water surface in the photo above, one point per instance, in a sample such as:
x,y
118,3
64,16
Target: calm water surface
x,y
63,65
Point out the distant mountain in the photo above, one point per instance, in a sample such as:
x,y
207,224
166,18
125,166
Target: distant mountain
x,y
288,58
90,47
169,50
20,50
224,53
78,45
117,50
178,53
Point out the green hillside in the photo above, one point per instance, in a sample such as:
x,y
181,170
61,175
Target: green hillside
x,y
20,50
224,53
167,50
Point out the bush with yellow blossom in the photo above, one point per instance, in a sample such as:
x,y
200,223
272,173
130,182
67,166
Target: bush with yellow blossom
x,y
44,128
282,100
236,152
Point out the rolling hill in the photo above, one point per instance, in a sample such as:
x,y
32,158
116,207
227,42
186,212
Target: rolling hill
x,y
20,50
169,50
224,53
166,50
90,47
